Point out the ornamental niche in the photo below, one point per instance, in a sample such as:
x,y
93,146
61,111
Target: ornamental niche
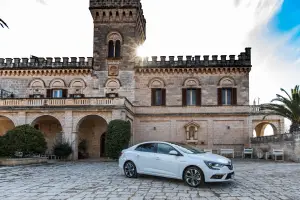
x,y
191,130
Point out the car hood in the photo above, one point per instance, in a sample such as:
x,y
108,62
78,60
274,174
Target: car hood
x,y
210,157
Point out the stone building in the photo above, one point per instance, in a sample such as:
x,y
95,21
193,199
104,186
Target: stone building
x,y
203,101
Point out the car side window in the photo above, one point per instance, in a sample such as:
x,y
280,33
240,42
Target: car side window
x,y
149,147
164,148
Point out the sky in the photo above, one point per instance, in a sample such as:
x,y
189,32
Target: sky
x,y
48,28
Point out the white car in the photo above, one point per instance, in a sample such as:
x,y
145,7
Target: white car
x,y
175,160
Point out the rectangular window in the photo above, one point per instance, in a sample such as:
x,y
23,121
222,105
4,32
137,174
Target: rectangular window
x,y
226,96
57,93
191,97
158,97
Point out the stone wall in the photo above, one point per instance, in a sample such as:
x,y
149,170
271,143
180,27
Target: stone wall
x,y
213,133
290,143
175,82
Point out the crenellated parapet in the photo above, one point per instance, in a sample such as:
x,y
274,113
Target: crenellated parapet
x,y
46,63
242,60
115,3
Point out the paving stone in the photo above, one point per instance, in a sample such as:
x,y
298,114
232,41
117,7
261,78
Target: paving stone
x,y
255,180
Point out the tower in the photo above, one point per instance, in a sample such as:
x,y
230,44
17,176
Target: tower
x,y
119,28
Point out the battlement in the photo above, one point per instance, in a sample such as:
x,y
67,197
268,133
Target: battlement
x,y
115,4
244,59
46,63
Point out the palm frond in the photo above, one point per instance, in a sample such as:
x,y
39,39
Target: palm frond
x,y
288,107
2,23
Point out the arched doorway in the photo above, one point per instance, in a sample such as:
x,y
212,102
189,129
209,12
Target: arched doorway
x,y
264,129
51,128
91,132
6,124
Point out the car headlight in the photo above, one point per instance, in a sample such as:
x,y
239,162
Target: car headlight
x,y
214,165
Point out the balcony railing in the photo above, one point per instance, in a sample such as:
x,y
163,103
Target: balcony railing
x,y
62,102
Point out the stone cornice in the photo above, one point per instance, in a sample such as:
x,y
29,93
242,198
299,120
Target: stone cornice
x,y
45,72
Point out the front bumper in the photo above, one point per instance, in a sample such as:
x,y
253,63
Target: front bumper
x,y
224,174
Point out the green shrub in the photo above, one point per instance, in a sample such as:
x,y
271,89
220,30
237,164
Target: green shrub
x,y
62,149
25,139
117,138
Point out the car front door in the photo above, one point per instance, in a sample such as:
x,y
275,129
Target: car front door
x,y
145,158
166,164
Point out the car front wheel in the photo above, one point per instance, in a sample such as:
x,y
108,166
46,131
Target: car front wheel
x,y
130,170
193,176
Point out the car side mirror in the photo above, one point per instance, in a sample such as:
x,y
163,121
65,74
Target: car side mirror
x,y
173,152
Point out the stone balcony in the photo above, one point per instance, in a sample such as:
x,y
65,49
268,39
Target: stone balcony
x,y
32,103
124,102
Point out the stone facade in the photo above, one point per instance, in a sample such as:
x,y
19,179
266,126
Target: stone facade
x,y
203,101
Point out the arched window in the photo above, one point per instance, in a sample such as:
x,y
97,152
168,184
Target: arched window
x,y
158,92
114,45
111,49
227,91
118,49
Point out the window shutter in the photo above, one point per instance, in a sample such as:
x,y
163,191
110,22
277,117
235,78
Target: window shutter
x,y
198,97
234,96
49,93
184,97
153,96
64,93
163,97
219,96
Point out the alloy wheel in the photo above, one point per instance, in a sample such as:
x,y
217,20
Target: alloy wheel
x,y
193,177
130,170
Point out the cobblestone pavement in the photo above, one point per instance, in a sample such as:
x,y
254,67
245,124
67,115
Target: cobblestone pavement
x,y
95,180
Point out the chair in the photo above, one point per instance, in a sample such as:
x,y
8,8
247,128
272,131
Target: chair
x,y
208,150
278,152
227,151
248,151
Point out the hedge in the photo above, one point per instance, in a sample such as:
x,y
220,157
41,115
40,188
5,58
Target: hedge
x,y
25,139
117,138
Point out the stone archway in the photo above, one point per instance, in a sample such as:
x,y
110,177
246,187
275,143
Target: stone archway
x,y
6,124
264,129
90,130
51,128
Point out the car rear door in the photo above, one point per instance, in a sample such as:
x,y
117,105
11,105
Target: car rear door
x,y
145,158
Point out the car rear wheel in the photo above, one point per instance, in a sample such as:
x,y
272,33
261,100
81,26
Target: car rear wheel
x,y
130,170
193,176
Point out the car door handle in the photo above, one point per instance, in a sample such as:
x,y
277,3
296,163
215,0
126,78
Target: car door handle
x,y
157,158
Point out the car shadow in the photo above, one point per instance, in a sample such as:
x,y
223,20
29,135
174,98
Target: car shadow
x,y
164,180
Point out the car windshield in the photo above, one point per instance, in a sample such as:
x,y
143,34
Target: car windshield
x,y
188,149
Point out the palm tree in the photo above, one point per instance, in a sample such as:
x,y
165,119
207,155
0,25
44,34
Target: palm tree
x,y
3,24
289,107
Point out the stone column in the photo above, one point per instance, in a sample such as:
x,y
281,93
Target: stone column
x,y
68,131
75,145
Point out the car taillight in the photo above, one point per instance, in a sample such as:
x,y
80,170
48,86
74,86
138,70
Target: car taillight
x,y
120,154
